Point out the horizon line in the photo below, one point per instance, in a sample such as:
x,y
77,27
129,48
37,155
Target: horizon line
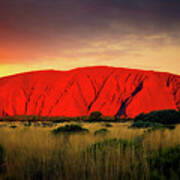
x,y
90,66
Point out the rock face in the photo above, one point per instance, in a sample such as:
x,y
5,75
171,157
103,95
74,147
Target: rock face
x,y
113,91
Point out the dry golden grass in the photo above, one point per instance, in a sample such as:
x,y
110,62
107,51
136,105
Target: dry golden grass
x,y
35,153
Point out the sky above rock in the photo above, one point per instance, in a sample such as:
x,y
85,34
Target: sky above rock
x,y
61,34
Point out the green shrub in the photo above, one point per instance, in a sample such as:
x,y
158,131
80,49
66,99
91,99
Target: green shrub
x,y
140,117
162,117
165,164
145,124
108,125
96,115
13,126
153,126
73,128
102,131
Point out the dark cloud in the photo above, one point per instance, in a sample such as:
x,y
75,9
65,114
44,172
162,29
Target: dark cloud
x,y
45,24
45,17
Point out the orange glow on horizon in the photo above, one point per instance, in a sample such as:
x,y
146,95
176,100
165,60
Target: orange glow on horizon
x,y
130,53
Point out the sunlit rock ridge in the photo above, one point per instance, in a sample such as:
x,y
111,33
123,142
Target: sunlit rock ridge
x,y
78,92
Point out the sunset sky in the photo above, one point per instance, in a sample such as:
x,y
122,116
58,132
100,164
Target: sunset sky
x,y
64,34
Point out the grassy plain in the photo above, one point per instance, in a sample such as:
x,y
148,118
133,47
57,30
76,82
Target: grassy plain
x,y
32,151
